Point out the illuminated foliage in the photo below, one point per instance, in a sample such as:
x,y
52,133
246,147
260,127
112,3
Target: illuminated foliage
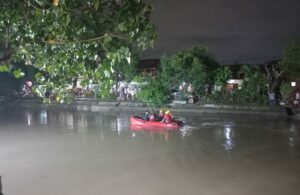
x,y
223,74
196,66
74,39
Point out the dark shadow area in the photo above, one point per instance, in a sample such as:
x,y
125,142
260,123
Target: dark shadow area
x,y
0,187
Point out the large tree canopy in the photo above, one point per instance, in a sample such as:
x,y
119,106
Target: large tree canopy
x,y
70,39
196,66
290,63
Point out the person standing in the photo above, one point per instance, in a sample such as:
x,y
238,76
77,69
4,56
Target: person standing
x,y
122,94
297,99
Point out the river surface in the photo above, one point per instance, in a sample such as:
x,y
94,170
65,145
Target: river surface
x,y
47,152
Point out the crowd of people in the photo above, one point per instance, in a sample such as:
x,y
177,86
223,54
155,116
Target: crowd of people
x,y
126,93
297,100
162,116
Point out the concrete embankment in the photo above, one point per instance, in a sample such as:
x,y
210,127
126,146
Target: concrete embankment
x,y
95,106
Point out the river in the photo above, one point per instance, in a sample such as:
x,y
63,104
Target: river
x,y
46,152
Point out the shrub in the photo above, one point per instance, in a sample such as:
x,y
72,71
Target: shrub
x,y
154,93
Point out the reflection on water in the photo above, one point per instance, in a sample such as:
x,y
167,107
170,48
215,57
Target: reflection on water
x,y
121,124
66,148
229,138
43,117
133,134
292,136
83,122
222,131
186,131
29,118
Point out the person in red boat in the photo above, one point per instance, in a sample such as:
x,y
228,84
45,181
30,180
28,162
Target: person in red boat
x,y
152,116
145,116
161,115
168,117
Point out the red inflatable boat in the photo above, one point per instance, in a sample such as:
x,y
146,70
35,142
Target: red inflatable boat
x,y
135,120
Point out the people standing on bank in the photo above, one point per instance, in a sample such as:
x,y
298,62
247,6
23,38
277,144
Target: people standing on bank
x,y
297,100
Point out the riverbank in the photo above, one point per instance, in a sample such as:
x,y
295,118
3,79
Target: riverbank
x,y
97,106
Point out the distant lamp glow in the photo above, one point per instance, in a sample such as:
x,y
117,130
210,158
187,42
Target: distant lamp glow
x,y
293,84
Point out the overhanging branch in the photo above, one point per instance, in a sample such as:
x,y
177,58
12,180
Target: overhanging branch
x,y
55,42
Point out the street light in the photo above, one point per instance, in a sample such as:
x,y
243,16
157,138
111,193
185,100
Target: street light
x,y
293,84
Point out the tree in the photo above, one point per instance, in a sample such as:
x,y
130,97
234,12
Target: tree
x,y
223,74
153,92
253,89
286,90
273,75
67,40
290,63
195,66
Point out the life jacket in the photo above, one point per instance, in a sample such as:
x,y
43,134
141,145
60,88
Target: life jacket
x,y
168,118
171,115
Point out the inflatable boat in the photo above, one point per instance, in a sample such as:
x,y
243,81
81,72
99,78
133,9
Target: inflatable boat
x,y
135,120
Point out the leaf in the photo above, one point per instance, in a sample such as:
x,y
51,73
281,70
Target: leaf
x,y
107,73
39,2
128,58
96,5
18,73
4,68
107,40
56,11
65,38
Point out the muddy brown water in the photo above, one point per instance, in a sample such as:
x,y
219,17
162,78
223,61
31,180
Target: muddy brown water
x,y
46,152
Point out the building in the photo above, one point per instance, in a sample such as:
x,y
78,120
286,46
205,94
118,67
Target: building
x,y
149,67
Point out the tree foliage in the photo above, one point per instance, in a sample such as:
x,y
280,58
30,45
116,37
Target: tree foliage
x,y
70,39
254,86
290,63
195,66
286,90
223,74
153,92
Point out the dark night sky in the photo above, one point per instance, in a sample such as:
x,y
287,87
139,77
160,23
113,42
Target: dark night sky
x,y
235,31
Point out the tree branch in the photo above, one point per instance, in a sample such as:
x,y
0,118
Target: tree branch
x,y
269,79
35,7
54,42
119,36
276,80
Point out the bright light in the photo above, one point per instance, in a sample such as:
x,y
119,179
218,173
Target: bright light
x,y
293,84
235,81
133,135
